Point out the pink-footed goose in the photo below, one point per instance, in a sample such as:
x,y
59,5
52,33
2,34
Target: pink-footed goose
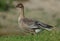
x,y
29,25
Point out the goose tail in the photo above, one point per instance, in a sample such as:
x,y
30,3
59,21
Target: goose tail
x,y
44,26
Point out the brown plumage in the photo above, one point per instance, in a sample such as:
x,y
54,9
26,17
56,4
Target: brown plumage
x,y
29,25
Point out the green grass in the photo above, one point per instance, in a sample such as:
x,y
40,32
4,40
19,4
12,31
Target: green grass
x,y
43,36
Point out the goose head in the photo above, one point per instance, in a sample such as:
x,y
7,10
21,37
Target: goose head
x,y
20,5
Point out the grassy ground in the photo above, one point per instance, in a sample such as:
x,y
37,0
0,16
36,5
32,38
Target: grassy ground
x,y
43,36
8,25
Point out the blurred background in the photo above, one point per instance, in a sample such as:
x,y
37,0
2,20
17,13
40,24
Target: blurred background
x,y
47,11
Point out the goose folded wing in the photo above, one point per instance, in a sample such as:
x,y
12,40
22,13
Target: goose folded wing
x,y
36,24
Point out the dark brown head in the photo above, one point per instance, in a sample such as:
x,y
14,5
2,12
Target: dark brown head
x,y
20,5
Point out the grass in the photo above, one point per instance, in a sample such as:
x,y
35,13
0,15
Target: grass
x,y
43,36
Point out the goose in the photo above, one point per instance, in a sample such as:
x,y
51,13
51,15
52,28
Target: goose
x,y
27,25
